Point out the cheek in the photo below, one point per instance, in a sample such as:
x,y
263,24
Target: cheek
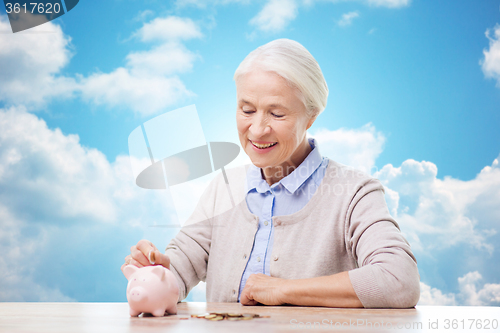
x,y
241,125
288,134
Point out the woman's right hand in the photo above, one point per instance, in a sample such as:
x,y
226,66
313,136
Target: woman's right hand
x,y
139,255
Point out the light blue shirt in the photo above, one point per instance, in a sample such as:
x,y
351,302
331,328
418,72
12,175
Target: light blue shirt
x,y
285,197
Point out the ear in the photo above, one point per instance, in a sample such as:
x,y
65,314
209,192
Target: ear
x,y
311,121
159,271
129,270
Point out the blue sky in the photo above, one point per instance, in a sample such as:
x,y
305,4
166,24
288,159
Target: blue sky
x,y
414,98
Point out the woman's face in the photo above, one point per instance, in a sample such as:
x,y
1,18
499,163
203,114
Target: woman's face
x,y
271,120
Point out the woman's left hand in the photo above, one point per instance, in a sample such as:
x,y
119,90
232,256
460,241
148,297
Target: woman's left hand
x,y
264,289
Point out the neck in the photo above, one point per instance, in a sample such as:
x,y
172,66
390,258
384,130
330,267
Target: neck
x,y
274,174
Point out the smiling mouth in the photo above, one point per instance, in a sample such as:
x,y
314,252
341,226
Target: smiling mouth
x,y
263,146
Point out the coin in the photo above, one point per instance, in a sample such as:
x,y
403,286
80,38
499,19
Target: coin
x,y
252,315
151,257
216,316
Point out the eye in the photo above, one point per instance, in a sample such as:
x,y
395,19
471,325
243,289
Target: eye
x,y
247,111
277,115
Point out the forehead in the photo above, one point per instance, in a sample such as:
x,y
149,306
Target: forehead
x,y
264,86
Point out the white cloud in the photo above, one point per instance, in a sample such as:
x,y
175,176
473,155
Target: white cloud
x,y
358,148
149,82
389,3
347,18
469,293
204,3
64,180
45,166
143,94
434,296
275,15
489,294
491,62
142,15
166,59
168,29
30,65
18,283
198,293
437,214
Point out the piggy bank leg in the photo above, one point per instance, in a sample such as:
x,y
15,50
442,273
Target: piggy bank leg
x,y
158,313
172,309
134,313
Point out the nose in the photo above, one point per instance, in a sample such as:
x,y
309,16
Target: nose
x,y
259,126
138,294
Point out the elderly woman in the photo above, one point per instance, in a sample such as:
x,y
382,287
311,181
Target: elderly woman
x,y
309,231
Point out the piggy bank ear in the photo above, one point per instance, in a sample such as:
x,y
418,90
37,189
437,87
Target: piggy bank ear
x,y
129,270
159,270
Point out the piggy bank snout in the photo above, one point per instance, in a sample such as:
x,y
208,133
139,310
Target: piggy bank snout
x,y
138,294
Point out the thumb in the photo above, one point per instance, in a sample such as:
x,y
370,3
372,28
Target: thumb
x,y
161,259
245,300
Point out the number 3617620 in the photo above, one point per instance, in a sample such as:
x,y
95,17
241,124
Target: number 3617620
x,y
33,7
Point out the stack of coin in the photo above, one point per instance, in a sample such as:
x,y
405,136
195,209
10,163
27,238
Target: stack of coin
x,y
215,316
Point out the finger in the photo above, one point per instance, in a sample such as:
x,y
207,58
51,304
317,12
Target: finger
x,y
136,263
252,303
130,261
161,259
245,297
139,257
245,300
146,247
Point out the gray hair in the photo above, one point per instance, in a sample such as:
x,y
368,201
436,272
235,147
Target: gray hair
x,y
290,60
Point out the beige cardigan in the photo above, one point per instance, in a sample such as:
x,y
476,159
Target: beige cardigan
x,y
346,226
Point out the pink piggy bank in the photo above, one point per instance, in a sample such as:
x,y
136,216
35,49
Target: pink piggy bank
x,y
151,289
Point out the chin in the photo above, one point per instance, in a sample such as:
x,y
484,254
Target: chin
x,y
259,162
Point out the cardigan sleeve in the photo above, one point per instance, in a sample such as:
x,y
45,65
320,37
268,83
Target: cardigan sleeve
x,y
189,249
387,274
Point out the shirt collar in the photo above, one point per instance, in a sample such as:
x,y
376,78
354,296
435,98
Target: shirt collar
x,y
291,182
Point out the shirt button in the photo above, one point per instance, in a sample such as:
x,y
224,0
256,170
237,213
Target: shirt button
x,y
234,292
275,258
266,223
258,259
244,256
